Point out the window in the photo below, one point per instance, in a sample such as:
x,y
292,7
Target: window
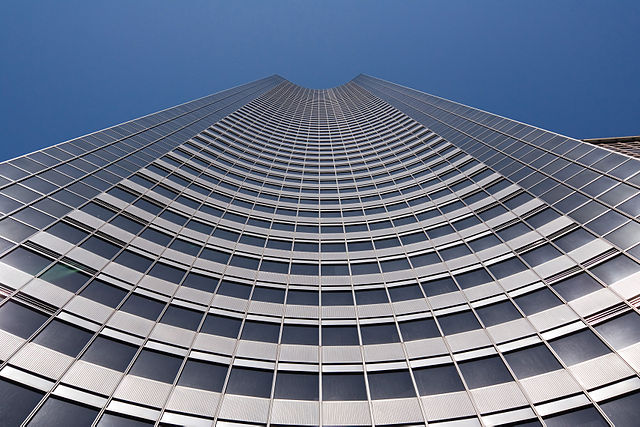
x,y
143,306
578,347
127,224
335,269
63,337
621,331
297,385
484,243
112,420
203,375
454,252
379,334
365,268
250,382
337,298
340,335
588,416
472,278
541,255
133,261
182,317
60,412
394,265
300,334
215,255
302,297
67,232
623,410
104,293
497,313
371,296
200,281
458,322
274,266
26,260
234,289
110,353
404,293
439,286
615,269
156,366
265,294
343,386
484,372
506,268
304,269
576,286
537,301
245,262
418,329
390,384
221,325
100,247
531,361
260,331
20,320
421,260
17,402
437,380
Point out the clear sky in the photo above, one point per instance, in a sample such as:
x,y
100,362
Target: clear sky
x,y
72,67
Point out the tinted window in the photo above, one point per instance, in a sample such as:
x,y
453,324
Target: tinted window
x,y
379,334
497,313
437,379
297,385
588,416
103,293
621,331
268,294
302,297
404,293
19,320
112,420
439,286
472,278
617,268
63,337
250,382
182,317
167,272
17,402
390,384
506,268
156,366
578,347
343,386
337,298
63,413
100,247
66,277
221,325
25,260
142,306
260,331
371,296
110,353
67,232
300,334
531,361
537,301
200,281
623,410
134,261
484,372
458,322
340,335
203,375
576,286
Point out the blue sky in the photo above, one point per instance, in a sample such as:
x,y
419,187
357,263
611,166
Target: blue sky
x,y
73,67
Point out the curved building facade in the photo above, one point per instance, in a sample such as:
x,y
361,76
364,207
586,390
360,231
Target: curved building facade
x,y
273,255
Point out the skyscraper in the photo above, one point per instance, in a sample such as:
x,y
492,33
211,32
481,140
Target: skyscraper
x,y
275,255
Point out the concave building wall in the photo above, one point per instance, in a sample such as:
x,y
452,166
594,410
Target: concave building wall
x,y
362,255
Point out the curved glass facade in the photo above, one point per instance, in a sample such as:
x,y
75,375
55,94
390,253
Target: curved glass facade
x,y
362,255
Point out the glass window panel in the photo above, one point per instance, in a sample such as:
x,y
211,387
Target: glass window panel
x,y
20,320
221,325
458,322
300,334
379,334
623,410
418,329
484,372
621,331
588,416
110,353
578,347
439,286
537,301
67,232
113,420
60,412
497,313
63,337
576,286
203,375
506,268
100,247
260,331
343,386
143,306
472,278
234,289
17,402
134,261
340,335
390,384
26,260
615,269
371,296
265,294
404,293
531,361
250,382
297,385
200,281
437,379
337,298
182,317
156,366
